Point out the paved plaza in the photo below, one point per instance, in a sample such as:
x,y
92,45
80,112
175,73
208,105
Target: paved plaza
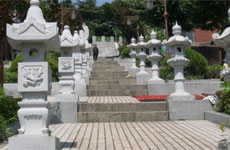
x,y
162,135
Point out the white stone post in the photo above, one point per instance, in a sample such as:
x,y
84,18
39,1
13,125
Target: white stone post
x,y
84,66
177,44
142,76
94,39
34,37
120,40
111,38
154,46
223,41
133,69
103,38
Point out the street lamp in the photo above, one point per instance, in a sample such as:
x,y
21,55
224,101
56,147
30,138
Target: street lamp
x,y
165,15
129,22
73,15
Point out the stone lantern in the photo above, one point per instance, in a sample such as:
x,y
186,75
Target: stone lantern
x,y
223,41
80,83
34,37
67,98
133,69
154,46
178,61
142,76
85,46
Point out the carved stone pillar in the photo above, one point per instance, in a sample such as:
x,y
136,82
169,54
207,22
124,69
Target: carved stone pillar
x,y
34,37
133,69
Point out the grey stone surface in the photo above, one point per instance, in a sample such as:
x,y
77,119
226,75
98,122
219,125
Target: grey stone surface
x,y
223,144
142,78
122,116
116,107
64,111
191,86
216,117
32,142
80,87
188,109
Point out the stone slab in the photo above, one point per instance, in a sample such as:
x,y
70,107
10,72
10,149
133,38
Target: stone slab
x,y
188,109
64,111
216,117
142,78
80,87
191,86
32,142
133,71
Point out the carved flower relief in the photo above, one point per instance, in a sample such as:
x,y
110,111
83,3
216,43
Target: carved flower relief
x,y
77,58
33,76
66,64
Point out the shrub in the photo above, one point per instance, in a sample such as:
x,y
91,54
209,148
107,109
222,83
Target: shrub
x,y
8,113
121,48
166,72
11,74
198,65
223,104
214,71
2,128
124,51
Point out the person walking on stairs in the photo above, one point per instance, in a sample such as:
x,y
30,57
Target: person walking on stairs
x,y
95,52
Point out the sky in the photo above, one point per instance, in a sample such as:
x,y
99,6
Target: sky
x,y
101,2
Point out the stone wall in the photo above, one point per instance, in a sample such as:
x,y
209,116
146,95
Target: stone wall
x,y
192,86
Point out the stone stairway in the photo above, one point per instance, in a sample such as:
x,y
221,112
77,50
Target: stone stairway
x,y
108,78
120,109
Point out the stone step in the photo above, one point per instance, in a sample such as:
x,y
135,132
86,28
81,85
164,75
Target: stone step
x,y
106,65
116,86
121,81
112,78
109,73
109,92
84,117
122,107
111,68
106,62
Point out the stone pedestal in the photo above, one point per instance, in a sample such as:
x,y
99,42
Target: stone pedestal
x,y
38,142
178,63
155,71
188,109
142,77
64,111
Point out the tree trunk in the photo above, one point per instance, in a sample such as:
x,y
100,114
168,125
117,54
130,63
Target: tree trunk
x,y
1,64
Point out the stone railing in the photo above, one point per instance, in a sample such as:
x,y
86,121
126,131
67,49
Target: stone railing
x,y
106,39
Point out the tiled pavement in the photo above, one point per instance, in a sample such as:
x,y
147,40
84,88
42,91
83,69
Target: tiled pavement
x,y
162,135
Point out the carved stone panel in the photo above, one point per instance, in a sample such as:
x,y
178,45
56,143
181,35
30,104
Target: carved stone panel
x,y
66,65
33,77
77,58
